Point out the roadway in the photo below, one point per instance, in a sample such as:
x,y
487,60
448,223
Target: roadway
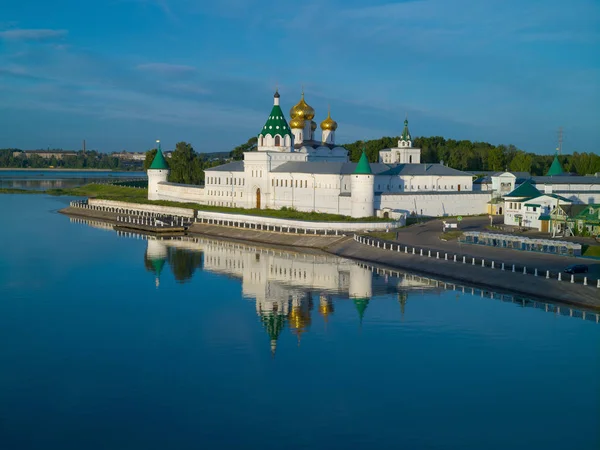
x,y
427,236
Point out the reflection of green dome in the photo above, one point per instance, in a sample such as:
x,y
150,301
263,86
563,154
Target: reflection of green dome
x,y
274,324
154,264
157,265
361,306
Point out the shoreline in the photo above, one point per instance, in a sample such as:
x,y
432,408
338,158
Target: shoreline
x,y
346,247
31,169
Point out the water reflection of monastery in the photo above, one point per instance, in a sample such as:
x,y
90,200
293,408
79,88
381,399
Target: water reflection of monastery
x,y
290,287
285,285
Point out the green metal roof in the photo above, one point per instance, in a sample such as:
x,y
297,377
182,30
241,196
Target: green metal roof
x,y
544,217
532,204
276,124
405,133
525,190
159,161
555,168
363,167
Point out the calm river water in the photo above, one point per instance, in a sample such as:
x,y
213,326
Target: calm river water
x,y
40,180
115,342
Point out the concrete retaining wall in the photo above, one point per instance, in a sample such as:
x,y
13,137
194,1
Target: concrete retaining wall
x,y
167,210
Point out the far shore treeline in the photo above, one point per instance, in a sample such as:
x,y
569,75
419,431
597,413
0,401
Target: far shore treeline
x,y
187,165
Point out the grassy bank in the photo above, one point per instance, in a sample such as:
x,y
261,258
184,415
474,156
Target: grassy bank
x,y
19,191
137,195
591,251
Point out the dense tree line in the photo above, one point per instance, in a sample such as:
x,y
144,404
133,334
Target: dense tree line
x,y
479,156
186,165
14,158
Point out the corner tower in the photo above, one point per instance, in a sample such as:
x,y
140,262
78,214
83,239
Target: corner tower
x,y
158,172
362,189
275,135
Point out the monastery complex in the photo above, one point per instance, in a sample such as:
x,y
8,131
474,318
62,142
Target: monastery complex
x,y
296,166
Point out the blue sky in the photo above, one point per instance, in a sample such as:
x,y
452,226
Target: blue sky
x,y
123,73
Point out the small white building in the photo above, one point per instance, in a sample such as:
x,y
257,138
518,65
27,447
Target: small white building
x,y
527,207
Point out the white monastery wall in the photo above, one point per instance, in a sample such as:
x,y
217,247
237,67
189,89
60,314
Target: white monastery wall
x,y
182,193
435,203
332,226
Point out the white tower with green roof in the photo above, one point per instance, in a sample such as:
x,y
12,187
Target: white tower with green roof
x,y
405,153
276,135
158,172
362,189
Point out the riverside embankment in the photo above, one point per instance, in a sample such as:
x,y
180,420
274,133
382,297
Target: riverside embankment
x,y
514,282
346,246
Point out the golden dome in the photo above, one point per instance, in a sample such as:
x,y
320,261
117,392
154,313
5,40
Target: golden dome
x,y
297,122
313,125
329,123
302,110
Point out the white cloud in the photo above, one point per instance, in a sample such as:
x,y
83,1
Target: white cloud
x,y
31,34
166,69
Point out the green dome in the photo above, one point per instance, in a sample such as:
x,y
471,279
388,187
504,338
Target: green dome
x,y
276,124
555,168
363,167
405,133
159,162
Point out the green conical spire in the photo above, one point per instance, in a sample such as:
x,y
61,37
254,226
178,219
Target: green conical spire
x,y
405,133
555,168
159,161
276,123
363,167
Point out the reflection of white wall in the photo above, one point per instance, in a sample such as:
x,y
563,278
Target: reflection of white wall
x,y
361,282
156,249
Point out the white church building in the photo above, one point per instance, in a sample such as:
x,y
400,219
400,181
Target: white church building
x,y
295,168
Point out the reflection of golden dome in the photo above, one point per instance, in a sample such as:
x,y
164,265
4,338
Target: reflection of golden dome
x,y
297,122
329,123
299,321
302,110
326,308
313,125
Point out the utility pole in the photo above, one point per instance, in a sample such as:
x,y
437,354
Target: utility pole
x,y
560,140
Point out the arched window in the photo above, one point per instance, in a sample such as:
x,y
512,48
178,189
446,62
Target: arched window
x,y
277,141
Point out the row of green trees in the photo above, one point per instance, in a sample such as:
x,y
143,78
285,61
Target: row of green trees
x,y
465,155
186,165
14,158
479,156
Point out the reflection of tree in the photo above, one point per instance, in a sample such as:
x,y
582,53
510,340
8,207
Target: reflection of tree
x,y
184,263
402,298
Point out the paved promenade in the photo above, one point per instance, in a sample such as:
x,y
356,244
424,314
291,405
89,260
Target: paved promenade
x,y
495,279
427,236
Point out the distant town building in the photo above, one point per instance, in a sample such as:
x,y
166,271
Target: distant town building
x,y
126,156
46,154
